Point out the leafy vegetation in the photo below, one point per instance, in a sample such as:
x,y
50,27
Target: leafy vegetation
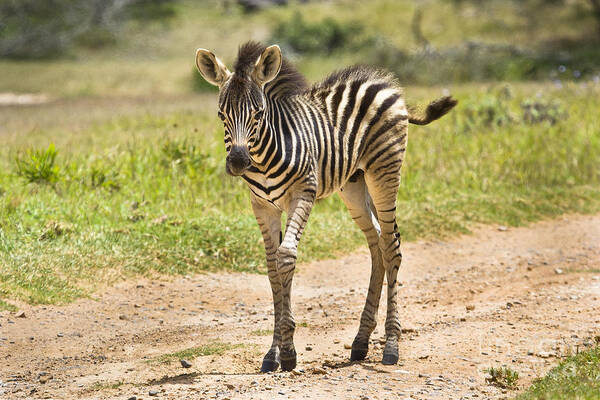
x,y
577,377
38,165
503,377
319,37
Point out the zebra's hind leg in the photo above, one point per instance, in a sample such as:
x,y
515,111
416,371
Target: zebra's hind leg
x,y
384,189
269,221
357,200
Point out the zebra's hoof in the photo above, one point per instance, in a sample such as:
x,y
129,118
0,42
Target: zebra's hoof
x,y
288,359
360,348
390,358
358,353
269,365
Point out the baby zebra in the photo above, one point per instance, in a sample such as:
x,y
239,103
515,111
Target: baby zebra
x,y
293,144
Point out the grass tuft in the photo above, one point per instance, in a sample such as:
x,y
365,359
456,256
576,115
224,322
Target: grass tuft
x,y
262,332
38,166
213,348
503,377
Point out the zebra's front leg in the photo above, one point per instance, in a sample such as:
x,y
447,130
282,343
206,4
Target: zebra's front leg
x,y
269,221
286,264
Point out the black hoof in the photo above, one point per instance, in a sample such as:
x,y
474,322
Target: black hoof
x,y
359,354
269,365
360,349
390,359
288,359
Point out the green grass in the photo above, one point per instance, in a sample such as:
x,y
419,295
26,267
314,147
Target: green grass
x,y
503,377
4,306
262,332
145,192
99,386
577,377
213,348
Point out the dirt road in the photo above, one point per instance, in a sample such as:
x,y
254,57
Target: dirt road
x,y
523,297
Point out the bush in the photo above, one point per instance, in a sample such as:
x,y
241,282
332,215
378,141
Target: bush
x,y
324,36
540,110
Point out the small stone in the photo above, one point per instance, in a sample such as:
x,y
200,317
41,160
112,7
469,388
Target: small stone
x,y
319,371
185,363
123,317
230,386
20,314
470,307
558,271
347,346
153,393
59,334
462,319
268,387
308,348
502,228
545,354
45,378
132,398
295,372
402,371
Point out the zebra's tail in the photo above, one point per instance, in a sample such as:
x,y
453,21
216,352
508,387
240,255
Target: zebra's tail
x,y
435,110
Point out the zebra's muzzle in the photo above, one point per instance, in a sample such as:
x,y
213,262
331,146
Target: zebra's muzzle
x,y
237,161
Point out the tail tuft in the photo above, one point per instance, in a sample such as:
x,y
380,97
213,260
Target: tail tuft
x,y
435,110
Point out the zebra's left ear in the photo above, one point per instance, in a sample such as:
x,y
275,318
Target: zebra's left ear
x,y
267,66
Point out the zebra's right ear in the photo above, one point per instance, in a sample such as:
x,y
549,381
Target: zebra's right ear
x,y
211,68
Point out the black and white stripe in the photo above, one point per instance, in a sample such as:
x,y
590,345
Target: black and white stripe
x,y
294,144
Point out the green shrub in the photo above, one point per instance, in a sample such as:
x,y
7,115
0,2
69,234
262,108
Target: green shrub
x,y
324,36
38,166
536,111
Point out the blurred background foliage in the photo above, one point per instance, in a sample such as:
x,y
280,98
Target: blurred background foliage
x,y
423,41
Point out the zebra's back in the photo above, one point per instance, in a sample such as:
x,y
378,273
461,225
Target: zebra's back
x,y
367,118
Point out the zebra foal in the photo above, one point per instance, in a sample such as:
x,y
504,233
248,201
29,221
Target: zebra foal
x,y
293,144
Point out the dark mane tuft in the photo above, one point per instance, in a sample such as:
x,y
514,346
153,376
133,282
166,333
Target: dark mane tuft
x,y
288,82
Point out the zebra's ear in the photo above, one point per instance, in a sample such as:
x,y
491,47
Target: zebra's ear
x,y
267,66
211,68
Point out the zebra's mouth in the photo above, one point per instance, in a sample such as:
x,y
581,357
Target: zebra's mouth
x,y
233,171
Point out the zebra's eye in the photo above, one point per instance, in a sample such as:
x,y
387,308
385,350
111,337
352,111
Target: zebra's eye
x,y
258,114
221,115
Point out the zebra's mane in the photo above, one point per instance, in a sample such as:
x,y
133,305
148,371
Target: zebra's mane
x,y
288,82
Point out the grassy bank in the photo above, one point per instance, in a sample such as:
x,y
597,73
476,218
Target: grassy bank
x,y
577,377
145,193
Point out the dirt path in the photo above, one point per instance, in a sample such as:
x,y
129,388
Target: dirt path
x,y
521,297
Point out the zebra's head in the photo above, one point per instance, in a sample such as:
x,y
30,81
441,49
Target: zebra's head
x,y
242,100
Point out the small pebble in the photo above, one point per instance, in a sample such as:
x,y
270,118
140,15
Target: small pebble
x,y
185,363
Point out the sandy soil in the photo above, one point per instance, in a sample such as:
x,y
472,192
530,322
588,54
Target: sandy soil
x,y
523,297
